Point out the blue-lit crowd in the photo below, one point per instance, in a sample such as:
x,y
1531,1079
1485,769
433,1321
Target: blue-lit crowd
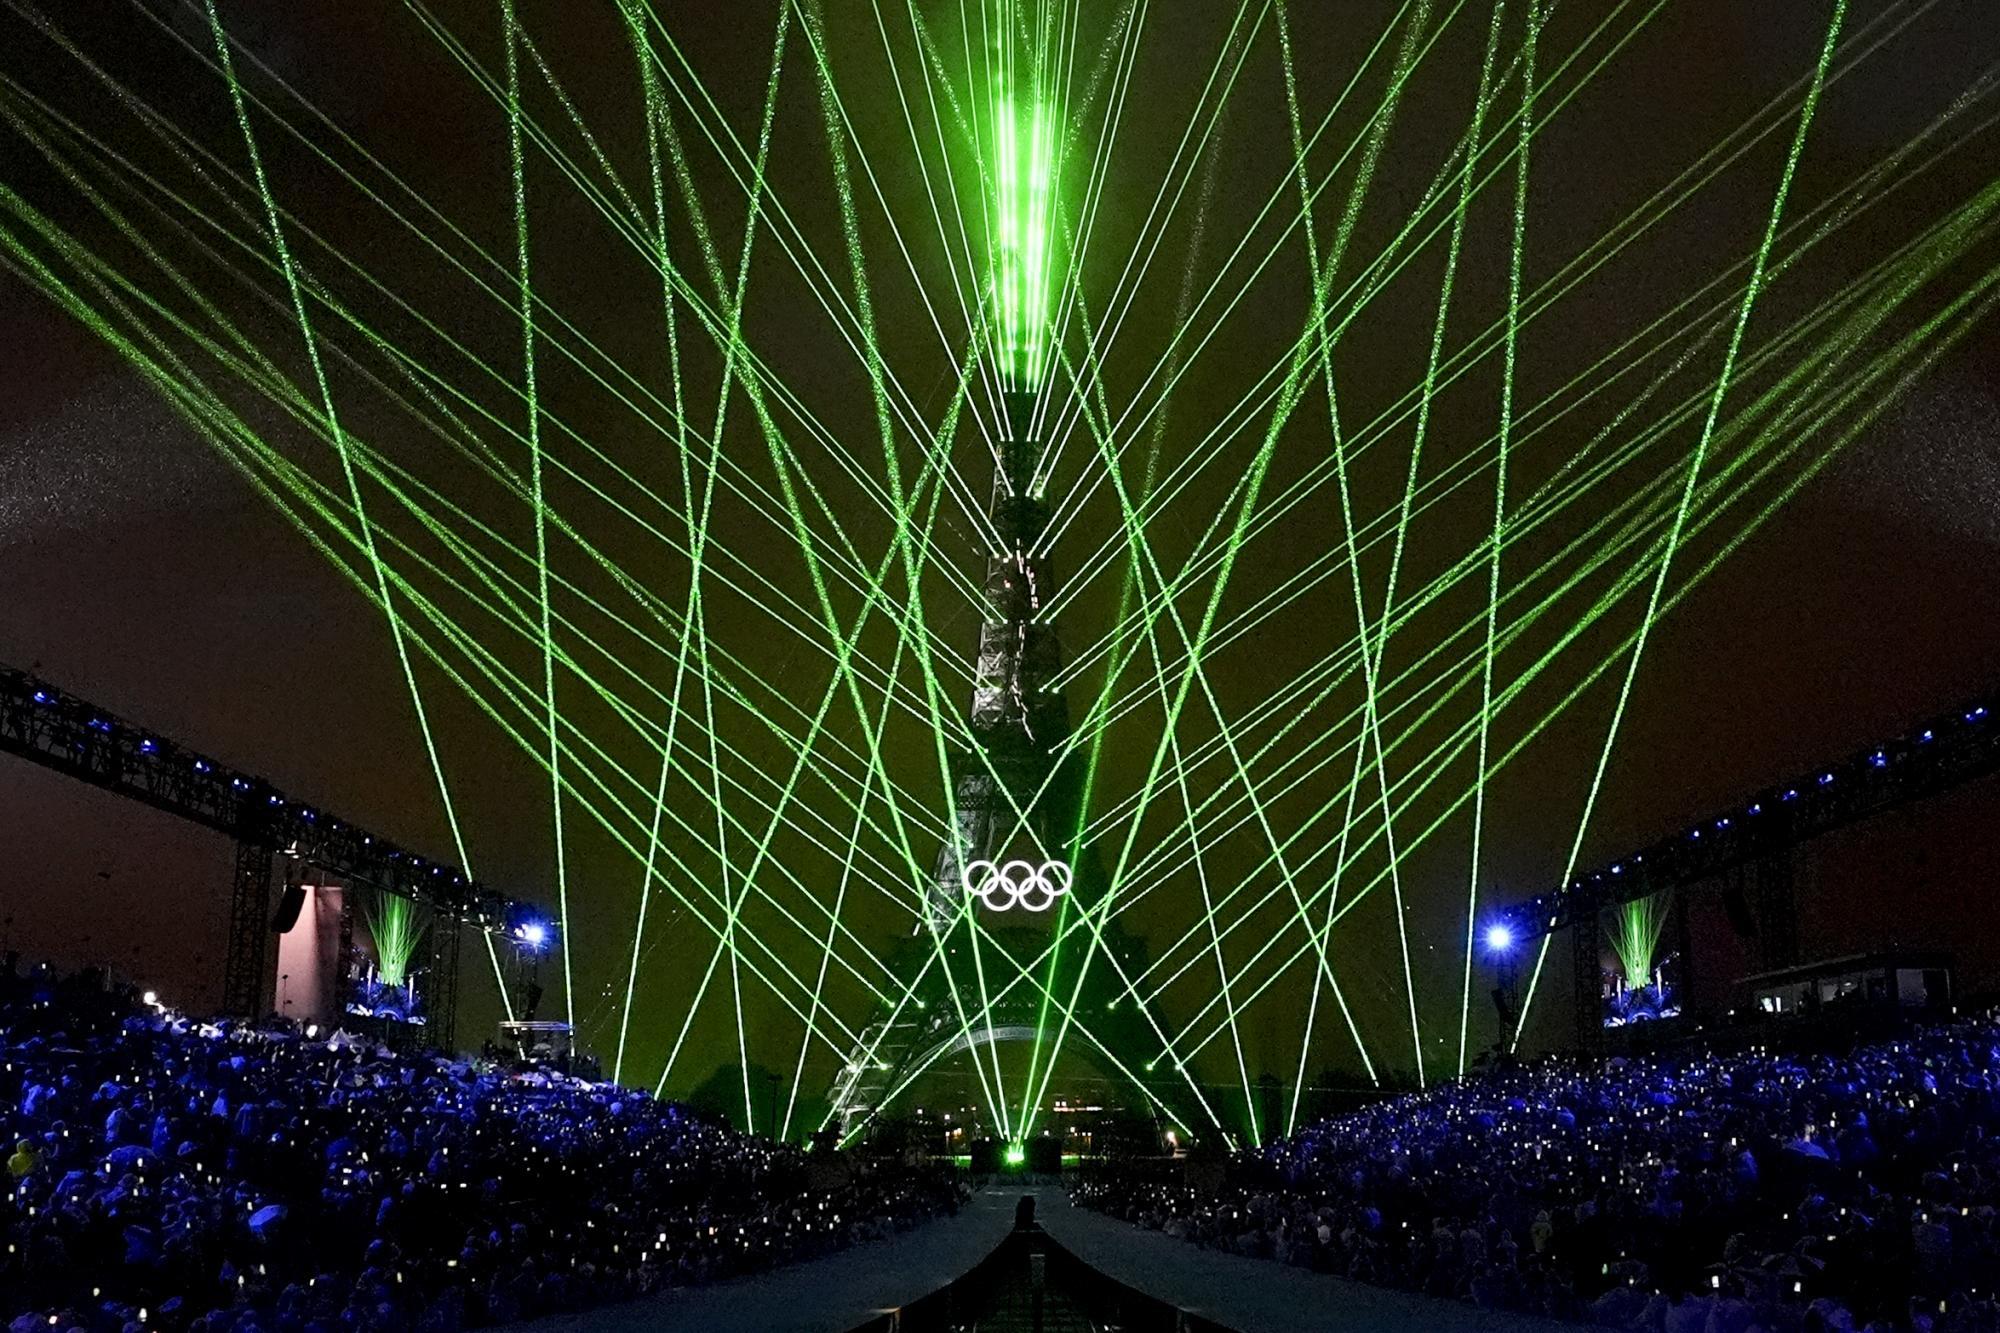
x,y
1743,1192
179,1176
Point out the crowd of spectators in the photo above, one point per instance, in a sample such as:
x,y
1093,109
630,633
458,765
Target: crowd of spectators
x,y
181,1176
1692,1193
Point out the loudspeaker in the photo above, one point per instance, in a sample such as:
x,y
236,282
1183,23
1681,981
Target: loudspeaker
x,y
289,906
1045,1155
985,1157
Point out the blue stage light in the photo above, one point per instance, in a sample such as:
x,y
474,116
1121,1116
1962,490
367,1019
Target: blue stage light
x,y
1499,938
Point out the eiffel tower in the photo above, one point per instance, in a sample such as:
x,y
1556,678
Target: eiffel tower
x,y
1015,808
1007,811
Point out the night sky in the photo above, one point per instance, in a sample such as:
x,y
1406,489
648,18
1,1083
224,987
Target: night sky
x,y
141,570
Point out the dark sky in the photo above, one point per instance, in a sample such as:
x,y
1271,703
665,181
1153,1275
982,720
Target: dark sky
x,y
141,570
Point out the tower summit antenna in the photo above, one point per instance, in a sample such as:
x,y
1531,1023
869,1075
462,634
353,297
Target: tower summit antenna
x,y
1024,170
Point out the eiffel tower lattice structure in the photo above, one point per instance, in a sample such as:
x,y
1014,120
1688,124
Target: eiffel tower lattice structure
x,y
1015,815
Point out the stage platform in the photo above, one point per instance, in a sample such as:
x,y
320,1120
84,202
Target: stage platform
x,y
848,1290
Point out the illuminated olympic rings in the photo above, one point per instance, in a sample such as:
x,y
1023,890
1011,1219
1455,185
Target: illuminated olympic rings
x,y
1017,884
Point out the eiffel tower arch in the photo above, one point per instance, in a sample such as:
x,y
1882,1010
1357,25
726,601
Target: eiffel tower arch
x,y
1014,871
946,1019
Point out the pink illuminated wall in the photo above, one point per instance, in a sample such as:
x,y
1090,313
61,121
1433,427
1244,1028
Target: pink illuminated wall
x,y
309,959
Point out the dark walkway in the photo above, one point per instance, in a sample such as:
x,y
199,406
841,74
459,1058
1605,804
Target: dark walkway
x,y
1259,1295
830,1295
858,1287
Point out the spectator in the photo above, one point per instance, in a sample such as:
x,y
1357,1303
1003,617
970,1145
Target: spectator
x,y
210,1179
1702,1191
